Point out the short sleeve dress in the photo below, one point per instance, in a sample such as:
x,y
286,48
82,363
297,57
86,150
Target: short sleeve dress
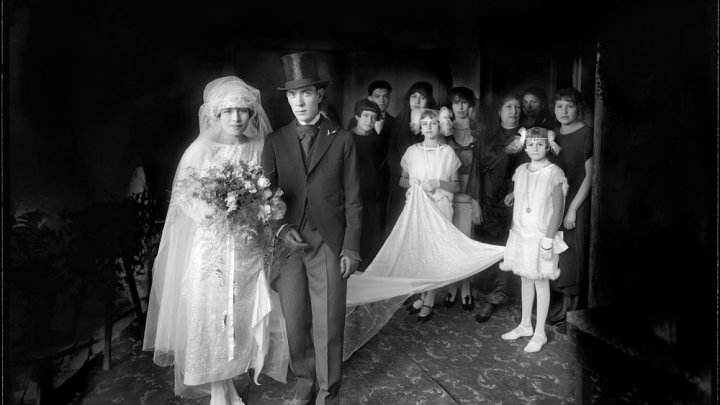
x,y
422,163
532,212
577,148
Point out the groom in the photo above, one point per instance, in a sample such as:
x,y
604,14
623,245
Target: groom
x,y
314,162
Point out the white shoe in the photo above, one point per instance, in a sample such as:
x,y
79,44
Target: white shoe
x,y
520,331
536,343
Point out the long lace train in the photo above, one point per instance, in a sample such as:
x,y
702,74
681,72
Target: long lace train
x,y
424,251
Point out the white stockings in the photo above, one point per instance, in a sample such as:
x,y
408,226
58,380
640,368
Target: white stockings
x,y
529,287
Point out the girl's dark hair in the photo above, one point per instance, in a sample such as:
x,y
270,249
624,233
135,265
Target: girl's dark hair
x,y
366,105
572,95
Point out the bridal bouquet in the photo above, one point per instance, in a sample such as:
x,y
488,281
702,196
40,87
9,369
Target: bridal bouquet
x,y
243,204
239,192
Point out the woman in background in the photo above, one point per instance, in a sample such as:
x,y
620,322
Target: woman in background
x,y
576,140
419,95
464,137
490,180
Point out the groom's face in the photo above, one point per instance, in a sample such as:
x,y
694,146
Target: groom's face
x,y
304,102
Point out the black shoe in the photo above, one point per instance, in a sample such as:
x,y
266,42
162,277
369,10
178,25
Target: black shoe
x,y
450,303
411,309
468,303
484,313
427,317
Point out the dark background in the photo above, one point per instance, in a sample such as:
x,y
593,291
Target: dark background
x,y
94,89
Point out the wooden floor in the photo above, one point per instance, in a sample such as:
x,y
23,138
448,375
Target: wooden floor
x,y
449,360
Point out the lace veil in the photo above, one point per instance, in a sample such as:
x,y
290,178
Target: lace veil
x,y
232,92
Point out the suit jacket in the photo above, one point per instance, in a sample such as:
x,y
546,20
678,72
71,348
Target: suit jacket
x,y
330,184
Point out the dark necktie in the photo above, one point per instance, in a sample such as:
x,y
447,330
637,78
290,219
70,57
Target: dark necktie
x,y
306,133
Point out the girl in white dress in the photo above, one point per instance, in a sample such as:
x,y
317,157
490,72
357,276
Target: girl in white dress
x,y
534,242
211,313
434,167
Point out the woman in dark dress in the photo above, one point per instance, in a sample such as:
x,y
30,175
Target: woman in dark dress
x,y
490,181
576,140
419,95
371,165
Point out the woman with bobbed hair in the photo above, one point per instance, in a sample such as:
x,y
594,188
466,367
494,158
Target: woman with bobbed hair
x,y
419,95
576,140
464,137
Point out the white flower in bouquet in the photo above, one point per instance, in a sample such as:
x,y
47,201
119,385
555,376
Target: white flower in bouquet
x,y
266,194
263,182
264,212
250,187
231,201
278,208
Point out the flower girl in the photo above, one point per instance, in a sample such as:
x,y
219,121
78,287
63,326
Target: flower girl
x,y
534,242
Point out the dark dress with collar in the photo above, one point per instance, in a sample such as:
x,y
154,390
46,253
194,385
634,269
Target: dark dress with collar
x,y
373,180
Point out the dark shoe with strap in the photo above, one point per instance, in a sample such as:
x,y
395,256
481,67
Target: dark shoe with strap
x,y
485,312
468,303
427,317
450,300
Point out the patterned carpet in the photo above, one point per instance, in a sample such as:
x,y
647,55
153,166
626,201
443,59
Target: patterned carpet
x,y
449,360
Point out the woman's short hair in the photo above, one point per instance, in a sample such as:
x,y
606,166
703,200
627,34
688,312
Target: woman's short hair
x,y
572,95
366,105
463,93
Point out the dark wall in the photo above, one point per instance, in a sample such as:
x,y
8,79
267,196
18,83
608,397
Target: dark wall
x,y
657,220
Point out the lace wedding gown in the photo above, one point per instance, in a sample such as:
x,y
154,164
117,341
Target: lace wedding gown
x,y
211,313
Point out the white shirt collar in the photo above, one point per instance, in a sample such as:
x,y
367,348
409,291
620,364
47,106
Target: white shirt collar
x,y
313,122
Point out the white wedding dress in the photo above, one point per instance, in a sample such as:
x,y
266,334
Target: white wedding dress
x,y
211,313
423,252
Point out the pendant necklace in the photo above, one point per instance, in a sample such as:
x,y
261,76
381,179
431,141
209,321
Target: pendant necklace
x,y
528,197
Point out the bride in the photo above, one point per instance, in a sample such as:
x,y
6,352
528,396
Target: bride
x,y
211,313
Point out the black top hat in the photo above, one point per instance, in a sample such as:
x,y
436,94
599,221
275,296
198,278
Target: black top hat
x,y
300,70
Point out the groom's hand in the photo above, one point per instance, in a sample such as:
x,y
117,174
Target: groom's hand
x,y
348,266
293,240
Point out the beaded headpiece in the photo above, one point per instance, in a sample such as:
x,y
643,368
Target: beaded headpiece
x,y
443,117
518,143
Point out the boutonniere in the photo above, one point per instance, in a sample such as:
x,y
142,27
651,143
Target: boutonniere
x,y
331,131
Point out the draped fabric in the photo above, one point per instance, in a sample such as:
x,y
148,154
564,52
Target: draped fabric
x,y
211,313
424,251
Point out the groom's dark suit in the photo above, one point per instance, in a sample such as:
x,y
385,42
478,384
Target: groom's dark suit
x,y
322,195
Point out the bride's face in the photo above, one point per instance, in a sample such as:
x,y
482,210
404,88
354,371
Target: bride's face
x,y
234,121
